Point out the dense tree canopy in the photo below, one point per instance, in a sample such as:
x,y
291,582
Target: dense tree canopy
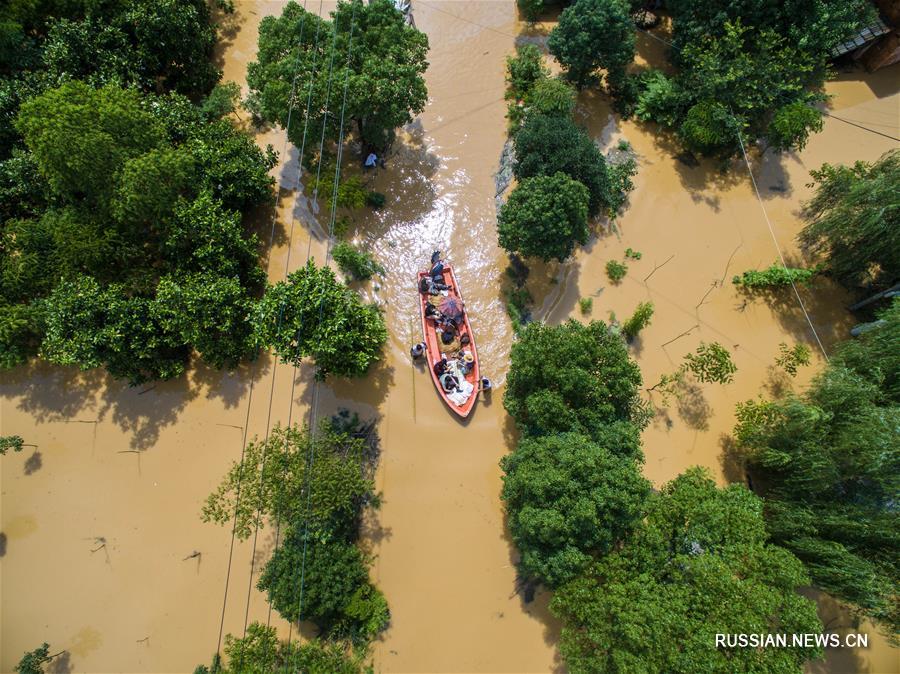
x,y
747,67
387,61
594,34
121,201
544,217
829,460
698,566
313,314
854,221
134,234
575,377
546,145
567,498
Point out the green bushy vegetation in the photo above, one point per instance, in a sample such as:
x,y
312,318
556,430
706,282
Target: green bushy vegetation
x,y
578,378
774,276
744,68
262,651
829,461
594,34
616,271
546,145
355,263
337,465
639,320
569,498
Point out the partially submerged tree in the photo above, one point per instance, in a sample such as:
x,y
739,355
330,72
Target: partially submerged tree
x,y
853,221
313,314
698,566
277,469
262,651
829,462
711,363
745,68
569,498
544,217
385,88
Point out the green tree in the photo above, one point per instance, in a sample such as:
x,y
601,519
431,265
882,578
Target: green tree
x,y
385,88
212,313
568,498
205,237
81,137
33,662
711,363
337,595
746,67
790,358
11,442
546,145
700,565
775,276
792,125
314,314
594,34
150,185
829,462
340,485
853,221
531,9
544,217
524,71
578,378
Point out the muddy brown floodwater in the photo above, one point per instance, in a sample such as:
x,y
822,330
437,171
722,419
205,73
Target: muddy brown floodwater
x,y
100,523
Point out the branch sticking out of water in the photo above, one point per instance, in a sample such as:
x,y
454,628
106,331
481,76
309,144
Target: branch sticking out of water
x,y
659,266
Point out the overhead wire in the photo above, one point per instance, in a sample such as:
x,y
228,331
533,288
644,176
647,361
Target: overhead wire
x,y
238,490
313,412
281,310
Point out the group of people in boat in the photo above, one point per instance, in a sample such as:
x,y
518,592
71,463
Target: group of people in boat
x,y
451,372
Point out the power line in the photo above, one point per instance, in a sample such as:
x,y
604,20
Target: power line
x,y
313,413
858,126
238,493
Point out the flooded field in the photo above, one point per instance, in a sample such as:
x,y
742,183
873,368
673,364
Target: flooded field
x,y
100,524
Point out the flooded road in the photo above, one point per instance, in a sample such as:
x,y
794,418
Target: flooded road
x,y
101,522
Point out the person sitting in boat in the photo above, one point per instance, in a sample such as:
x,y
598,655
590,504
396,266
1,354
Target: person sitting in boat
x,y
440,367
432,287
447,330
449,382
433,313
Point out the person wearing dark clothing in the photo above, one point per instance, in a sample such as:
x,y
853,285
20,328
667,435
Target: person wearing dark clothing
x,y
440,366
